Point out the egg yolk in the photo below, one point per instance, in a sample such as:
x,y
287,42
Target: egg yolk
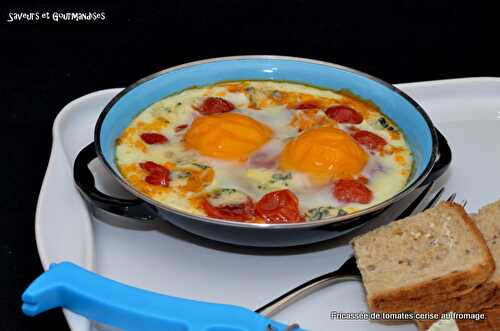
x,y
325,153
227,136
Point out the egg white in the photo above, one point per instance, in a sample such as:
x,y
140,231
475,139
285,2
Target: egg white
x,y
386,176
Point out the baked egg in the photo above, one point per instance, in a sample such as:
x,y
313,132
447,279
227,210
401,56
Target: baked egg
x,y
264,152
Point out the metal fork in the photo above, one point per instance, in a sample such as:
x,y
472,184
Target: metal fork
x,y
348,270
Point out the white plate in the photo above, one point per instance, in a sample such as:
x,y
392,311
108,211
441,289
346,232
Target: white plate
x,y
162,258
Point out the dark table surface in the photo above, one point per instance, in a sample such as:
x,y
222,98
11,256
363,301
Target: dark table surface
x,y
46,64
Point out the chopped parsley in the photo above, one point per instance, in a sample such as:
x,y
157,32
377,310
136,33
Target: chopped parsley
x,y
319,213
183,174
199,165
282,176
384,124
275,181
219,192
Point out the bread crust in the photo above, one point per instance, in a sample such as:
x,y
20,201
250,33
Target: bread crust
x,y
466,303
446,287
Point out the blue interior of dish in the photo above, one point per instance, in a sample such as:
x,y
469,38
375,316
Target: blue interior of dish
x,y
399,109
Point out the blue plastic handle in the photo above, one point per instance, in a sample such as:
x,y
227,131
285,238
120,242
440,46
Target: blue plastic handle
x,y
104,300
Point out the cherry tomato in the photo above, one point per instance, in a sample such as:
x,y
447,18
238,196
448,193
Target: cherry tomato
x,y
344,114
179,128
153,168
363,179
214,105
158,174
308,105
370,140
153,138
159,179
237,212
352,191
279,207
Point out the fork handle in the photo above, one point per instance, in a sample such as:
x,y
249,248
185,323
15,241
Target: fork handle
x,y
348,271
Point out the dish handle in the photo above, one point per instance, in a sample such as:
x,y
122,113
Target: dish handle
x,y
443,160
103,300
85,182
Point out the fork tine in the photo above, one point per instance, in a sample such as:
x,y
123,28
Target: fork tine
x,y
434,199
452,197
464,203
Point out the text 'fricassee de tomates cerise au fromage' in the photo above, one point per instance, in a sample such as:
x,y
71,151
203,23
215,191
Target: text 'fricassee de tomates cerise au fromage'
x,y
264,152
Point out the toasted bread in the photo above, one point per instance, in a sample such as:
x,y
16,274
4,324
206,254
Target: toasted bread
x,y
438,253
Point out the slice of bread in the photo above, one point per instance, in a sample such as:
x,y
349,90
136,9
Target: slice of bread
x,y
463,303
439,252
493,317
488,222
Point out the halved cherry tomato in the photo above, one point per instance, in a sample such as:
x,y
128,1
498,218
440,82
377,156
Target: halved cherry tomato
x,y
237,212
214,105
369,140
153,138
346,190
308,105
153,168
279,207
363,179
344,114
180,127
158,174
159,179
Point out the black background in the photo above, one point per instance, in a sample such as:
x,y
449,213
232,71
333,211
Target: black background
x,y
45,65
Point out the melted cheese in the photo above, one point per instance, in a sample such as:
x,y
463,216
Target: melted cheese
x,y
254,136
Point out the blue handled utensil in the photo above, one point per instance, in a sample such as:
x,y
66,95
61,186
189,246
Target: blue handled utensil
x,y
104,300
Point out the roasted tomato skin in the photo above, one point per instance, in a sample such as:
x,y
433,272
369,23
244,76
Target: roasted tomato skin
x,y
279,207
238,212
344,114
215,105
181,127
152,167
308,105
153,138
348,191
159,179
158,174
370,140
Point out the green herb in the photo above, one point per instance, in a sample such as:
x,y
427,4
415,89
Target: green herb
x,y
228,190
319,213
218,192
281,176
202,166
183,174
383,122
